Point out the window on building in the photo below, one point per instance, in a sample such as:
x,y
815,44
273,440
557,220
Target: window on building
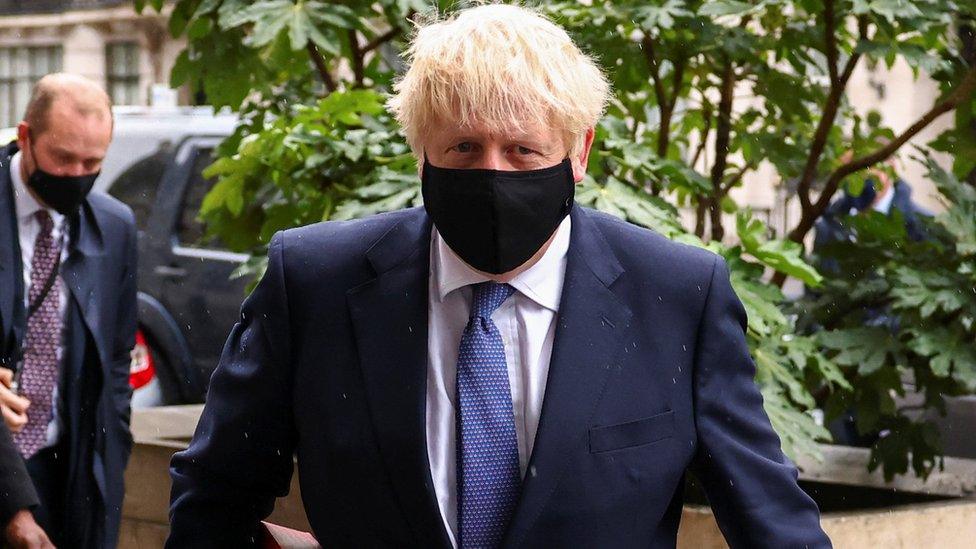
x,y
122,72
20,69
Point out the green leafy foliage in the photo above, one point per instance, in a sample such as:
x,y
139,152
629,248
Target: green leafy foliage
x,y
331,160
899,321
308,78
784,256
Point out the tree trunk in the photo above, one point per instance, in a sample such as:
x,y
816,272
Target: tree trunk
x,y
723,137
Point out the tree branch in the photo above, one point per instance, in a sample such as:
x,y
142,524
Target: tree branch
x,y
707,117
831,106
951,101
677,84
862,34
700,210
381,39
663,136
734,179
356,57
723,136
830,41
320,66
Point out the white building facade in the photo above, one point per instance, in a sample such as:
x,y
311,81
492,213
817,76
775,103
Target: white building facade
x,y
130,54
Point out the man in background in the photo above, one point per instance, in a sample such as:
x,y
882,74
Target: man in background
x,y
67,312
883,192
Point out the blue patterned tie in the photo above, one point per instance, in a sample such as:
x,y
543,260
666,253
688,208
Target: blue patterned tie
x,y
489,478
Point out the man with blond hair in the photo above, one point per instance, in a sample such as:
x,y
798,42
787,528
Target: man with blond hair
x,y
501,367
67,314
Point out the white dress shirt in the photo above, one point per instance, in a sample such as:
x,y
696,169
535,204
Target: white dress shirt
x,y
527,322
883,204
28,228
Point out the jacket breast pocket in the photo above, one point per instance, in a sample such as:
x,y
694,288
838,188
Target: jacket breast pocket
x,y
633,433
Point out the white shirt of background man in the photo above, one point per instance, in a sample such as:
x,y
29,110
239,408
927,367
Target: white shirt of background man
x,y
27,229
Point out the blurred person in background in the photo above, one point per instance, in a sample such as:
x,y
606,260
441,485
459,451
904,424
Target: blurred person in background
x,y
67,312
887,194
501,366
883,192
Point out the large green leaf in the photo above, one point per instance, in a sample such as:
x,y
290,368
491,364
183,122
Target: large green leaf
x,y
951,352
798,430
782,255
866,349
725,7
928,292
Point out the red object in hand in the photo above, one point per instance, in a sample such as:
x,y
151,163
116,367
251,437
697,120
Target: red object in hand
x,y
279,537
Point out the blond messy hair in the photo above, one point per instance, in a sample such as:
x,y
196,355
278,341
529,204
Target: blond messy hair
x,y
503,66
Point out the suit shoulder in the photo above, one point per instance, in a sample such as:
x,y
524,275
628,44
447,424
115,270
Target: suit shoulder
x,y
338,245
352,235
109,207
635,245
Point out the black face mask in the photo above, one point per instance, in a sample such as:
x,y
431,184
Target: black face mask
x,y
496,220
63,193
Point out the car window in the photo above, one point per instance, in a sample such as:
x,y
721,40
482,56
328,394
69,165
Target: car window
x,y
137,185
190,230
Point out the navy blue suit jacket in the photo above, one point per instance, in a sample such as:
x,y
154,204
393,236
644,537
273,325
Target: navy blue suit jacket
x,y
650,376
100,273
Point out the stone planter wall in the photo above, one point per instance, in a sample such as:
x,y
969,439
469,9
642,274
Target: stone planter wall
x,y
947,521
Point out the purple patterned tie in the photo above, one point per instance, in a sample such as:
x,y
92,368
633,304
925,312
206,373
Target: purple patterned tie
x,y
489,478
42,342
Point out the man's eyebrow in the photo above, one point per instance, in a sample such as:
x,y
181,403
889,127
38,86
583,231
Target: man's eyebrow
x,y
462,137
60,151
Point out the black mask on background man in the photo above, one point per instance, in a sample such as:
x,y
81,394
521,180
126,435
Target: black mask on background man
x,y
497,220
63,193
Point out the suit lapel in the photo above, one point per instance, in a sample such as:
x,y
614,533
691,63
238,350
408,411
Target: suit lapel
x,y
592,322
389,316
81,274
8,262
11,271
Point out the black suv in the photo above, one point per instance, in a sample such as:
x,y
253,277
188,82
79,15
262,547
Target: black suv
x,y
187,300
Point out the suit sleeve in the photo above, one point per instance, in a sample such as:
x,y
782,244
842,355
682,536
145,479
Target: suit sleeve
x,y
750,483
125,335
16,487
240,457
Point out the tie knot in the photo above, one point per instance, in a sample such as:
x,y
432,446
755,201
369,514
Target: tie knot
x,y
488,296
44,218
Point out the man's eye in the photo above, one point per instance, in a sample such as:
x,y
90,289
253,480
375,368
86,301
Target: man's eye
x,y
524,150
463,147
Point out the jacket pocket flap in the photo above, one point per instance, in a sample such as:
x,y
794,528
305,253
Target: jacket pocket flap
x,y
632,433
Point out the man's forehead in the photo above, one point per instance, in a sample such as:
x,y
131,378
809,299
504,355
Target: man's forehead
x,y
80,133
496,130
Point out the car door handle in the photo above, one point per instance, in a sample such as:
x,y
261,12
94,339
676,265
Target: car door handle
x,y
170,272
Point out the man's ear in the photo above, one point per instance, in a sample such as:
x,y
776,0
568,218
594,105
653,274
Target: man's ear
x,y
581,160
23,134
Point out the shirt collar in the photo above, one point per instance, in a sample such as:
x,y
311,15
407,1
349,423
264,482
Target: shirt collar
x,y
25,203
542,283
883,204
